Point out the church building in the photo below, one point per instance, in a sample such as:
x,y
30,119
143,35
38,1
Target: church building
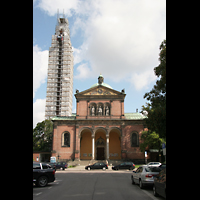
x,y
100,130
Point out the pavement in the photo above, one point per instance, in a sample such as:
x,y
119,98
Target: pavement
x,y
80,184
77,168
82,168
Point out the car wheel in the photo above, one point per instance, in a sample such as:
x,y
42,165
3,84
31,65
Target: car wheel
x,y
141,184
42,181
133,182
89,168
154,191
104,168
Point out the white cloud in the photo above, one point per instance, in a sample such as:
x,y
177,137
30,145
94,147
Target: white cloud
x,y
84,72
38,111
121,39
51,6
142,80
40,65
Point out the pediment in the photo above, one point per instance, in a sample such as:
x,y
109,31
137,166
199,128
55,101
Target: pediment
x,y
100,91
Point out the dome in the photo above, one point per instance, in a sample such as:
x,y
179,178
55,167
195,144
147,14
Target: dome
x,y
100,82
104,84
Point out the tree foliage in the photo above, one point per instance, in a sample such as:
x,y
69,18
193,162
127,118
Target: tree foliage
x,y
150,140
156,109
42,136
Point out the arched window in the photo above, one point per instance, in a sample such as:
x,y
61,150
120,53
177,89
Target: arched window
x,y
66,139
134,139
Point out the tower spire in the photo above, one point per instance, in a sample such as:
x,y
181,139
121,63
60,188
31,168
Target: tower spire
x,y
60,72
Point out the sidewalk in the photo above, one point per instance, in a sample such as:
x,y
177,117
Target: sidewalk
x,y
82,168
77,168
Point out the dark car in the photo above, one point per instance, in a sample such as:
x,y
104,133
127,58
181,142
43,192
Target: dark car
x,y
98,165
53,165
61,165
42,174
159,186
124,165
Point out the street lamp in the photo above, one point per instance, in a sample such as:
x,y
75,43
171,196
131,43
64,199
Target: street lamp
x,y
58,156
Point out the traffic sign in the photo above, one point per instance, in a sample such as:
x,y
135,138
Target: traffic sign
x,y
163,146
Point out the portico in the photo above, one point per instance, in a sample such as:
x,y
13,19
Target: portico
x,y
99,130
95,143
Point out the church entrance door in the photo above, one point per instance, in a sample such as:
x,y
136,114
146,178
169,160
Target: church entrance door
x,y
100,153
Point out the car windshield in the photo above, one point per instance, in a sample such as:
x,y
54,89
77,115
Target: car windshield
x,y
148,169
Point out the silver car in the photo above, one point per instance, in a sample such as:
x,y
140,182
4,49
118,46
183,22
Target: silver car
x,y
144,175
153,164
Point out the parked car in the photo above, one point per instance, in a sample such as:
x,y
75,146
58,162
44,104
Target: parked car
x,y
61,165
153,164
159,168
98,165
144,176
159,186
124,165
162,166
42,174
53,165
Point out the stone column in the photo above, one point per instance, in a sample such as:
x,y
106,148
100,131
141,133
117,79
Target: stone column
x,y
93,147
107,148
77,143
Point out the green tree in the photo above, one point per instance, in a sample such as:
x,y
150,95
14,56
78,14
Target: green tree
x,y
42,136
156,109
151,140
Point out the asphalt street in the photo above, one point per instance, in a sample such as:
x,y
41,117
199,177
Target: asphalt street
x,y
93,185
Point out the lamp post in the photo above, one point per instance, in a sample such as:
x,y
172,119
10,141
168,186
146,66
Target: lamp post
x,y
145,154
58,156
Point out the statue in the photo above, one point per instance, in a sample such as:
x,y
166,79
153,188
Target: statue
x,y
100,110
107,111
93,111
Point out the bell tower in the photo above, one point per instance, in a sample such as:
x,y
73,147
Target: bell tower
x,y
59,92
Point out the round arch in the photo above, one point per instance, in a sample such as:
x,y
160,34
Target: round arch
x,y
83,129
97,129
134,138
115,143
100,134
118,130
85,135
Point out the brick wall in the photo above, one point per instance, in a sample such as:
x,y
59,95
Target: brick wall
x,y
64,152
132,152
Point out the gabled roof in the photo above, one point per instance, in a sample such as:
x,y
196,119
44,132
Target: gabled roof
x,y
99,90
104,84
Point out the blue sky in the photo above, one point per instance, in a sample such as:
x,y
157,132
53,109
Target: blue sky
x,y
118,38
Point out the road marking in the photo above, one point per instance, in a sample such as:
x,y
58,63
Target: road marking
x,y
38,193
49,187
150,195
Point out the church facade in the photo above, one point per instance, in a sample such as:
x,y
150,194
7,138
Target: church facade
x,y
100,130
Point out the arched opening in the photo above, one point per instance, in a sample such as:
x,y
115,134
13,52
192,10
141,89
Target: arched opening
x,y
115,144
65,139
134,139
100,144
86,145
